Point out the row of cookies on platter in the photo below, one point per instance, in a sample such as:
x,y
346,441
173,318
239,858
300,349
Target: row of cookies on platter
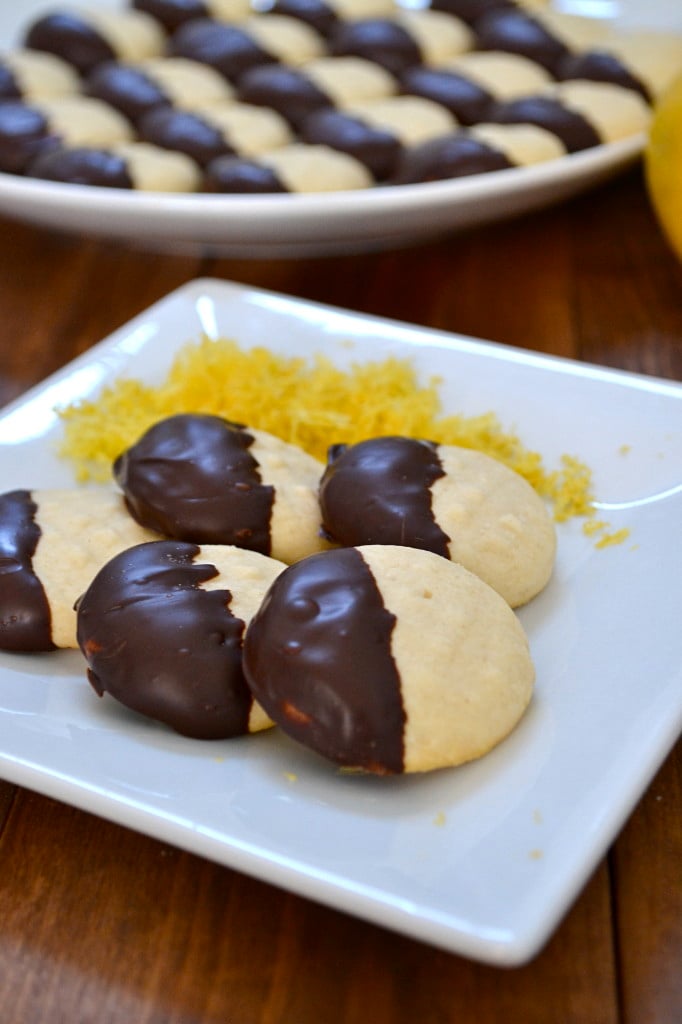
x,y
312,97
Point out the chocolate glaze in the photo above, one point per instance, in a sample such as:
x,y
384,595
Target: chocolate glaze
x,y
172,13
128,89
72,38
234,174
162,645
465,99
599,66
470,10
379,492
184,132
316,13
25,620
24,133
228,49
514,31
377,148
574,130
452,156
192,477
317,656
82,166
377,39
9,87
289,91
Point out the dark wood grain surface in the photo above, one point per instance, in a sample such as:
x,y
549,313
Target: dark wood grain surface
x,y
98,923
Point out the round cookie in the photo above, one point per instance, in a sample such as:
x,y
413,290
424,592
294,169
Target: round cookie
x,y
135,89
504,76
295,168
232,129
455,502
86,38
328,82
326,15
161,627
171,14
55,541
388,659
404,40
29,129
131,165
203,479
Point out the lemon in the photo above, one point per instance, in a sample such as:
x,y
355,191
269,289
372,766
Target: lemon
x,y
663,163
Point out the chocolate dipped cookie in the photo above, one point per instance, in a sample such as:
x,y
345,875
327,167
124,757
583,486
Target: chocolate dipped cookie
x,y
458,503
204,479
161,627
388,660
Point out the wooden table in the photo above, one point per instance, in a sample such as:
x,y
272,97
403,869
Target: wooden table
x,y
101,924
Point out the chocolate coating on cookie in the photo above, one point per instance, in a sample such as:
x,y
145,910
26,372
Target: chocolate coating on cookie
x,y
513,31
453,156
172,13
315,13
233,174
289,91
380,40
574,130
317,656
464,98
71,37
470,10
9,87
24,134
229,49
378,492
126,88
185,132
25,620
377,148
600,66
162,645
192,477
82,166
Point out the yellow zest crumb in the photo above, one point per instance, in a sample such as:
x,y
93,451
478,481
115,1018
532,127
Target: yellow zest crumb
x,y
536,855
592,526
613,538
291,776
624,449
309,402
440,819
537,817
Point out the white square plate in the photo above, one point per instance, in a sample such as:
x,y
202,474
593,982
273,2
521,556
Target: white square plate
x,y
482,860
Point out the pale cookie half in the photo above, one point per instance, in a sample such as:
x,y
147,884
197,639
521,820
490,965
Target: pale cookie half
x,y
55,541
388,659
161,627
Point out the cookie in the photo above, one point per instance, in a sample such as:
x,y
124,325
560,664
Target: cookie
x,y
161,628
388,659
295,168
132,165
234,129
512,30
171,14
376,133
52,542
29,129
480,149
326,15
458,503
404,40
85,38
32,75
206,480
646,62
504,76
234,49
327,82
135,89
581,114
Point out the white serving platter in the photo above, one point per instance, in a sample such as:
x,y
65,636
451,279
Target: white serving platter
x,y
298,225
481,860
